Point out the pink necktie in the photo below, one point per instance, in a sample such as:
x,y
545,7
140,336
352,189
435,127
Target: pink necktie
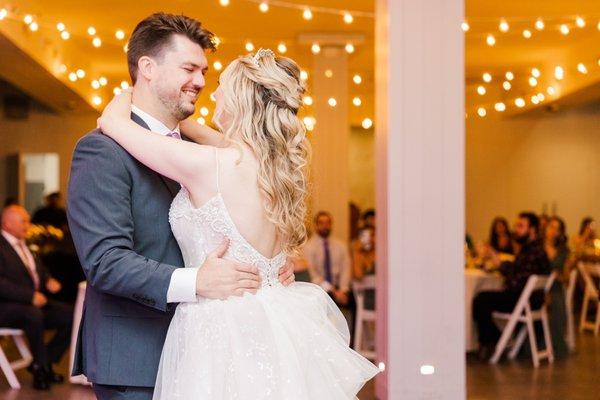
x,y
30,268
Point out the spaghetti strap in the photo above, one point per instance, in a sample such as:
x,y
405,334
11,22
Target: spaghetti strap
x,y
217,165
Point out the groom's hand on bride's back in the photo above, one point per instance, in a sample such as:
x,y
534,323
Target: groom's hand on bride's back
x,y
219,278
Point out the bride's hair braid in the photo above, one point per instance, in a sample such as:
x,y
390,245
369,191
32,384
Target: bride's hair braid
x,y
263,94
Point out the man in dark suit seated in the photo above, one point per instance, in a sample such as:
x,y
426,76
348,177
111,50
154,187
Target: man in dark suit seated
x,y
530,260
24,284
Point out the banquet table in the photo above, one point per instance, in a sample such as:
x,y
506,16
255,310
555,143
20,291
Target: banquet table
x,y
477,281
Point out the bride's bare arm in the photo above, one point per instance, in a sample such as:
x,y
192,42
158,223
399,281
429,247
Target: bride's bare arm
x,y
202,134
176,159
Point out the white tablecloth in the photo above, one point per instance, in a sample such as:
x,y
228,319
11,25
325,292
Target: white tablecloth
x,y
476,281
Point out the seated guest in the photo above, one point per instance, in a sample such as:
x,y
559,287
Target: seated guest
x,y
24,284
557,251
587,234
329,261
500,237
363,261
531,259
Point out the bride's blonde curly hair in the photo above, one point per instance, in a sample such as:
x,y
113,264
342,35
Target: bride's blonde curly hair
x,y
262,95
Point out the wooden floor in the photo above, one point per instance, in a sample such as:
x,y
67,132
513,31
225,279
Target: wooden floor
x,y
575,378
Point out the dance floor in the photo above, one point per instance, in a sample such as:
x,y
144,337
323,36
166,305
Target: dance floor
x,y
574,378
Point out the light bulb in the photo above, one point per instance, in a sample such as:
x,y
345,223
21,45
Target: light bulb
x,y
510,76
303,75
3,13
224,3
527,34
124,85
564,29
536,72
282,48
217,65
559,73
500,107
520,102
539,24
535,100
332,102
201,121
503,26
481,112
582,68
65,35
348,18
357,101
117,91
103,81
97,42
465,26
263,7
532,81
80,73
307,14
315,48
551,90
91,31
349,48
307,100
367,123
487,77
249,46
204,111
580,22
60,26
357,79
328,73
72,76
481,90
95,84
120,35
97,100
506,85
28,19
34,26
490,40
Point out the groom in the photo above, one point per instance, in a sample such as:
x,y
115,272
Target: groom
x,y
118,214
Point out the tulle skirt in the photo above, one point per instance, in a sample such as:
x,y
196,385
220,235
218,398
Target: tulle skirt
x,y
281,343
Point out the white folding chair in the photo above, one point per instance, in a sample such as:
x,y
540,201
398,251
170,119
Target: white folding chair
x,y
588,272
523,313
9,367
363,316
570,339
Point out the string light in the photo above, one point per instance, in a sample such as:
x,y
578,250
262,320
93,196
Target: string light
x,y
357,101
120,35
97,100
541,97
510,76
503,26
481,112
34,26
95,84
80,73
539,24
91,31
506,85
309,122
520,102
124,85
201,121
72,76
117,91
332,102
465,26
564,29
536,72
282,48
263,7
559,73
328,73
204,111
490,40
367,123
303,75
349,48
487,77
307,100
97,42
60,26
103,81
348,18
580,22
481,90
307,14
28,19
62,69
3,13
249,46
65,35
527,34
315,48
357,79
224,3
535,100
582,68
551,90
217,65
533,82
500,107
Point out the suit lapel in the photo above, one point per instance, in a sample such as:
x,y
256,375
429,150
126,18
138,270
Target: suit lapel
x,y
172,186
15,259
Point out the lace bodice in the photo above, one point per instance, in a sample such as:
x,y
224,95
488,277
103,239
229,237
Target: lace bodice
x,y
201,230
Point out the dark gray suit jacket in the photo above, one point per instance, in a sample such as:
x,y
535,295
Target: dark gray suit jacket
x,y
118,214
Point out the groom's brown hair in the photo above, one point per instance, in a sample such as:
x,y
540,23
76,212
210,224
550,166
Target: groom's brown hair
x,y
153,35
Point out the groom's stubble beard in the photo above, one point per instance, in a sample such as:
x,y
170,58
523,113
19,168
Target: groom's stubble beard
x,y
174,103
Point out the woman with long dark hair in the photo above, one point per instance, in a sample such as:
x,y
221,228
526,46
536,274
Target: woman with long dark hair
x,y
500,236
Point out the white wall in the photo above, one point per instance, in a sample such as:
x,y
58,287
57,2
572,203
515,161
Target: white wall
x,y
538,162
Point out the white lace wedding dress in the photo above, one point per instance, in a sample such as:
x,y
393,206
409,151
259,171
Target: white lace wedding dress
x,y
281,343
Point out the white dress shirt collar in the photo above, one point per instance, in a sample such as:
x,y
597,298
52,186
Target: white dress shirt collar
x,y
11,239
154,124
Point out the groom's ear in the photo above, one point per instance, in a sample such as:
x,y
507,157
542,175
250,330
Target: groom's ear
x,y
146,68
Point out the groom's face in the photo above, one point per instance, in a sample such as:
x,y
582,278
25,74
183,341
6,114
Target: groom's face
x,y
179,76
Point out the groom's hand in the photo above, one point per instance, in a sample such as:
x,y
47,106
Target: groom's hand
x,y
286,273
219,278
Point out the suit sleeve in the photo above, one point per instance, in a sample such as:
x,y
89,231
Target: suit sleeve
x,y
101,222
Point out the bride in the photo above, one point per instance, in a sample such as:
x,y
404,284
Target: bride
x,y
247,184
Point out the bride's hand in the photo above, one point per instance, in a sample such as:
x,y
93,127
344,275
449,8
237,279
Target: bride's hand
x,y
116,112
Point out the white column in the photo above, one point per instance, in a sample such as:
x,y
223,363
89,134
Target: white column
x,y
331,189
420,198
